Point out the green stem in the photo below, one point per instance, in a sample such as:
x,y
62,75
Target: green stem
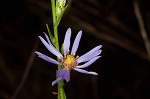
x,y
53,12
61,93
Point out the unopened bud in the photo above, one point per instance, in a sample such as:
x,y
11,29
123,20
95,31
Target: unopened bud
x,y
60,6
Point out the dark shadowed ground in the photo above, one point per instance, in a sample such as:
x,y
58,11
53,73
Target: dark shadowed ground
x,y
124,68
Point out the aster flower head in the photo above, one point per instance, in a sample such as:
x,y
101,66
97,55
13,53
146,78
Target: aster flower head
x,y
69,60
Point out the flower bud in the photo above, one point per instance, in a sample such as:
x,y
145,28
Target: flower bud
x,y
60,6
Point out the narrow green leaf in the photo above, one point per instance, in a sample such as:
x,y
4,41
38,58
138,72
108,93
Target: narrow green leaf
x,y
62,49
50,35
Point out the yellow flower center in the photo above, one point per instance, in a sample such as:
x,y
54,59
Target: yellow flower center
x,y
69,62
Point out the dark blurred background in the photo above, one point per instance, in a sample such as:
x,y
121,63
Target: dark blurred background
x,y
124,68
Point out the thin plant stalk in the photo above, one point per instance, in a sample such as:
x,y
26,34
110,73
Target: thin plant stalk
x,y
61,93
142,28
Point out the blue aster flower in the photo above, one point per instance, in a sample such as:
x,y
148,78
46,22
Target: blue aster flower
x,y
70,61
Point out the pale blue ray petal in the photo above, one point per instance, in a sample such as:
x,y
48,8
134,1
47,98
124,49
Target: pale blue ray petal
x,y
89,53
84,71
95,54
67,75
46,58
56,81
64,73
67,41
76,43
85,59
61,72
51,48
47,38
88,63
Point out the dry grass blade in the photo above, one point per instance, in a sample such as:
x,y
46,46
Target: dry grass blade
x,y
142,27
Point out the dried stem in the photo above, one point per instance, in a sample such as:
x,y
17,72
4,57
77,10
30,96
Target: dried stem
x,y
142,27
26,72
